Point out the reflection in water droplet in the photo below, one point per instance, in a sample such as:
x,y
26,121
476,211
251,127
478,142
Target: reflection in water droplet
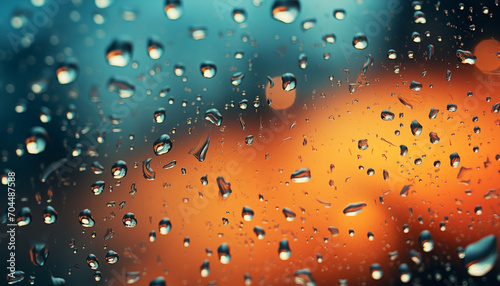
x,y
416,128
466,57
132,277
162,145
286,11
376,271
92,261
223,252
480,256
205,269
359,41
119,53
259,232
339,14
434,137
208,69
112,257
119,169
425,240
284,250
37,140
213,115
85,218
49,215
289,82
147,171
16,277
354,209
386,115
236,78
24,216
302,175
415,86
404,273
330,38
164,226
363,144
224,187
122,87
129,220
173,9
289,214
454,160
170,165
155,49
67,73
239,15
159,115
304,277
247,213
391,54
39,253
97,187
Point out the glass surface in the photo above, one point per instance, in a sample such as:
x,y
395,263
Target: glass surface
x,y
250,142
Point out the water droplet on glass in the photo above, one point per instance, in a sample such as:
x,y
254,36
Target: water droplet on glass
x,y
224,187
202,150
155,49
466,57
92,261
49,215
85,218
391,54
354,209
404,273
162,145
302,175
247,213
480,256
159,115
304,277
223,252
419,17
236,78
112,257
359,41
416,128
37,140
259,232
376,271
425,240
363,144
173,9
24,216
339,14
39,253
286,11
239,15
119,169
284,250
330,38
67,73
454,160
164,226
147,171
129,220
119,53
122,87
386,115
208,69
289,214
434,137
213,115
205,269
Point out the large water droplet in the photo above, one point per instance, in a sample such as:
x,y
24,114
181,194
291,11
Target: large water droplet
x,y
159,115
247,213
480,256
223,252
302,175
39,253
208,69
122,87
201,152
363,144
24,216
289,214
415,86
92,261
129,220
155,49
354,209
416,128
259,232
289,82
236,78
147,171
119,53
119,169
67,73
112,257
164,226
360,41
239,15
224,187
162,145
425,240
286,11
466,57
213,115
386,115
284,250
404,273
85,218
49,215
37,140
173,9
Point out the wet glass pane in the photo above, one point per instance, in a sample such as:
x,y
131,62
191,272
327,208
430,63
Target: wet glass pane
x,y
250,142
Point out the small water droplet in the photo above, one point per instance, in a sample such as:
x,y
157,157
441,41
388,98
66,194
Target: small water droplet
x,y
162,145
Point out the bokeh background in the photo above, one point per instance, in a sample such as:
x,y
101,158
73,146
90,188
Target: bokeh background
x,y
315,126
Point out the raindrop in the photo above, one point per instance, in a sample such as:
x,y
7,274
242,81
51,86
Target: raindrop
x,y
303,61
92,261
466,57
404,273
415,86
480,256
363,144
97,187
359,41
434,137
376,271
147,171
286,11
236,78
37,140
201,153
289,82
164,226
24,216
416,128
224,187
239,15
119,53
419,17
302,175
339,14
213,115
205,269
159,115
284,250
162,145
223,252
454,160
173,9
247,213
391,54
155,49
433,113
289,214
259,232
119,169
39,253
170,165
112,257
330,38
67,73
129,220
208,69
354,209
85,218
249,140
304,277
49,215
425,240
386,115
122,87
